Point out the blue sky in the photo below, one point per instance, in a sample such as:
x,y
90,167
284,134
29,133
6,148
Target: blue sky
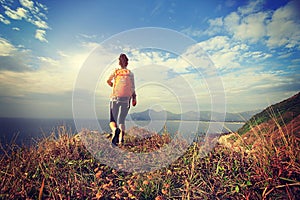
x,y
254,47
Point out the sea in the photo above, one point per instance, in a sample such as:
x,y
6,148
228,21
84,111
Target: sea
x,y
28,131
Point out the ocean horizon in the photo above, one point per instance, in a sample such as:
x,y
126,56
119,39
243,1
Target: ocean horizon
x,y
28,131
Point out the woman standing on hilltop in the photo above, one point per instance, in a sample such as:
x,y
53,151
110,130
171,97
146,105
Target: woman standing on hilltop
x,y
122,82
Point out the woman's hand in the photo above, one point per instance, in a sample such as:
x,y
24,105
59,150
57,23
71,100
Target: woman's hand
x,y
110,83
133,102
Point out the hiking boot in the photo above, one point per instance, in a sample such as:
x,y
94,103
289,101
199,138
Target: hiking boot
x,y
115,138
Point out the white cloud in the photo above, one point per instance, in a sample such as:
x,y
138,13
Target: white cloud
x,y
40,35
251,27
85,36
242,65
17,14
89,45
256,89
228,54
52,76
48,61
31,13
249,24
27,4
216,22
224,52
251,7
231,21
13,58
257,55
6,48
40,24
4,20
296,60
216,26
284,27
167,61
193,32
216,43
42,6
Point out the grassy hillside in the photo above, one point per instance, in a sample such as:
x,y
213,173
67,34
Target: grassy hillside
x,y
283,112
62,168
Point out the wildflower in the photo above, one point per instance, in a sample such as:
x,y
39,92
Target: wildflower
x,y
124,188
107,186
99,195
145,182
131,196
132,187
118,196
164,191
159,198
129,182
98,174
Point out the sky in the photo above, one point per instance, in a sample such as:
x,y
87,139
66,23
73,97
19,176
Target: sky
x,y
216,55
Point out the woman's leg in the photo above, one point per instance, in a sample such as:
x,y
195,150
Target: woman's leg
x,y
113,115
123,113
114,111
121,136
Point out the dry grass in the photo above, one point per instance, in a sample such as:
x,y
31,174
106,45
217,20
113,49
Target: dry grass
x,y
61,168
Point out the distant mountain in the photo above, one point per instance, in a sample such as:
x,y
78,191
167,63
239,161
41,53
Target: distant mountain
x,y
192,116
282,113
